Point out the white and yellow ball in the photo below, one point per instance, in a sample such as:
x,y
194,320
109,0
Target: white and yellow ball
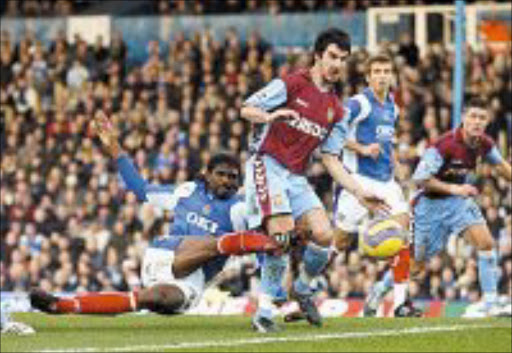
x,y
381,238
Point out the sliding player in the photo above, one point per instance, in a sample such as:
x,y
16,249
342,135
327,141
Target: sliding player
x,y
209,224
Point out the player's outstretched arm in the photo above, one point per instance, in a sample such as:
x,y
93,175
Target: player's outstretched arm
x,y
103,127
372,150
424,176
343,177
435,185
259,107
109,138
260,116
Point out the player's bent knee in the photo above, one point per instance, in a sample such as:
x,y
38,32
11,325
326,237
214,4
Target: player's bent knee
x,y
323,236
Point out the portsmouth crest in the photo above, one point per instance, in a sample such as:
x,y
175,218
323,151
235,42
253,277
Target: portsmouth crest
x,y
207,209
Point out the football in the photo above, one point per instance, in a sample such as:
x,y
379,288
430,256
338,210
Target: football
x,y
381,238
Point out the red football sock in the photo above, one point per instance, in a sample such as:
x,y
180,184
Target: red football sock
x,y
98,303
401,268
240,243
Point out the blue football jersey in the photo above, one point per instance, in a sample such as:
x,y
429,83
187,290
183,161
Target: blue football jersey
x,y
371,121
197,211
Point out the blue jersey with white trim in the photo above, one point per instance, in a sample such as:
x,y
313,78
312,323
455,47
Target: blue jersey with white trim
x,y
371,121
197,212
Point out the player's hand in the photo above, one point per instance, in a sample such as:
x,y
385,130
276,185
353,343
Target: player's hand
x,y
372,150
373,203
464,190
103,127
282,114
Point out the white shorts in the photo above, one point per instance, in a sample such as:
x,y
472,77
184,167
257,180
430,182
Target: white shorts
x,y
348,213
157,269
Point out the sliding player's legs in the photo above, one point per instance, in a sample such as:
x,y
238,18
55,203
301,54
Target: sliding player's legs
x,y
172,276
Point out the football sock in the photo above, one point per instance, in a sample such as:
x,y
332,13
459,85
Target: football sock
x,y
272,273
265,306
314,260
98,303
380,289
488,275
240,243
401,270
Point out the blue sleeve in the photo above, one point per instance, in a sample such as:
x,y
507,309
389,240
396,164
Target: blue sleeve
x,y
353,108
131,177
429,165
494,156
269,97
336,139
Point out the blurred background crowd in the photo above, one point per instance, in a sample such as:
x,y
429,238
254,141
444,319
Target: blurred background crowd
x,y
28,8
67,222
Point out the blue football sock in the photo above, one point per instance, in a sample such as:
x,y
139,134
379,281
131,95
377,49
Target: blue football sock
x,y
314,260
387,281
272,273
488,275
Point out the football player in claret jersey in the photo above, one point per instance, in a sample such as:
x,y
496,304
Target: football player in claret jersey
x,y
292,116
446,206
369,155
209,225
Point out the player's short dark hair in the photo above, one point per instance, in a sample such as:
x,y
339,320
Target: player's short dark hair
x,y
476,102
332,36
223,158
378,58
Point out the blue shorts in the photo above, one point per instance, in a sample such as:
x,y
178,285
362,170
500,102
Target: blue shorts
x,y
271,189
436,219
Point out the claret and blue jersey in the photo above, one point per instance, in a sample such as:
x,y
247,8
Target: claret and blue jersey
x,y
436,215
371,121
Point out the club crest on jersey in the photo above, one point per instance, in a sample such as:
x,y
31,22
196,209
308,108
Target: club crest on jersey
x,y
330,115
207,209
277,200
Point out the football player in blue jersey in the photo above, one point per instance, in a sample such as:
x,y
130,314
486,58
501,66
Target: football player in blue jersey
x,y
369,156
445,204
209,225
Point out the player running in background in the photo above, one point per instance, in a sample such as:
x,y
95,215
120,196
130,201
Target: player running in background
x,y
445,205
291,117
209,225
368,154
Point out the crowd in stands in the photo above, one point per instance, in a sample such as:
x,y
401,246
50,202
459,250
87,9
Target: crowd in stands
x,y
67,222
33,8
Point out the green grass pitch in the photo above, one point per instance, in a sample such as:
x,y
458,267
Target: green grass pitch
x,y
128,333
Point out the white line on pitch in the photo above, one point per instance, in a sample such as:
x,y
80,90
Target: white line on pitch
x,y
265,340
